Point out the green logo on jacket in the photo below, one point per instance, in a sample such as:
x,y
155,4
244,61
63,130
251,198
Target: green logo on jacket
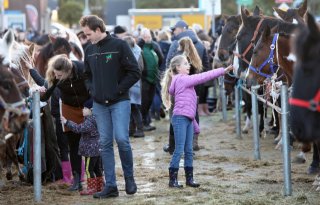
x,y
108,57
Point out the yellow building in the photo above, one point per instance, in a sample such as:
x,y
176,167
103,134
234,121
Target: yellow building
x,y
160,18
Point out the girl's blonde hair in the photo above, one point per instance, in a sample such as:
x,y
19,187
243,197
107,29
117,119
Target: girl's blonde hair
x,y
59,63
167,78
189,50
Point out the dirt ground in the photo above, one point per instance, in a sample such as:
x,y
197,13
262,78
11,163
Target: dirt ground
x,y
224,167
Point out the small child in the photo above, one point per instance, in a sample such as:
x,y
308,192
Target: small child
x,y
181,87
89,148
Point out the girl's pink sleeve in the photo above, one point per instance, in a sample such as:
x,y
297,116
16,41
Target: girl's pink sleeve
x,y
196,128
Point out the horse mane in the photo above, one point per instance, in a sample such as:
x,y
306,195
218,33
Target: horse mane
x,y
20,52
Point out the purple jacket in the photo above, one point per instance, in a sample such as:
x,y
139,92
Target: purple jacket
x,y
89,141
182,88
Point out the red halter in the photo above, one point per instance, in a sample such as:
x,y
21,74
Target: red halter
x,y
313,104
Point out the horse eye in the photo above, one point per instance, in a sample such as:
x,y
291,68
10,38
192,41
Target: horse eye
x,y
7,86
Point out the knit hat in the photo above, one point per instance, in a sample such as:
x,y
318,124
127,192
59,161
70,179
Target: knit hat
x,y
119,29
88,103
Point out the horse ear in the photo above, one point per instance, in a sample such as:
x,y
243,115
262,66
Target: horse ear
x,y
52,38
313,27
68,36
303,8
9,37
280,12
257,11
244,16
247,12
31,48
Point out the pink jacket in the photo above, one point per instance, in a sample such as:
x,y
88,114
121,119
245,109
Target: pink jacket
x,y
182,88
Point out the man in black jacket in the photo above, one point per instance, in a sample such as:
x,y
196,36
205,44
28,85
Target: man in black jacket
x,y
111,70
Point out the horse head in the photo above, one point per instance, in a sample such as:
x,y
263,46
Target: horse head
x,y
228,37
13,113
305,99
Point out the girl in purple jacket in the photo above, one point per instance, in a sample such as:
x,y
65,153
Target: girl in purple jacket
x,y
89,148
180,85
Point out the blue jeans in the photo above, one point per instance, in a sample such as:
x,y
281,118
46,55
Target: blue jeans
x,y
113,122
183,137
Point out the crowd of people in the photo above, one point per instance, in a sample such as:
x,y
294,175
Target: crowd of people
x,y
115,88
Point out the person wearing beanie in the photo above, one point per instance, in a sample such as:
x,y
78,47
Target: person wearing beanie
x,y
89,148
119,31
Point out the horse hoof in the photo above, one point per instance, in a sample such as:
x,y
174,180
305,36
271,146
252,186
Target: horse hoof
x,y
299,160
22,178
9,176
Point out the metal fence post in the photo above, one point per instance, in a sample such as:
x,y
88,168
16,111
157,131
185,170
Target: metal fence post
x,y
255,114
285,141
238,112
223,99
36,146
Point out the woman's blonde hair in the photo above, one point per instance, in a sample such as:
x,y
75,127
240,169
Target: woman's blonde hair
x,y
59,63
189,50
167,78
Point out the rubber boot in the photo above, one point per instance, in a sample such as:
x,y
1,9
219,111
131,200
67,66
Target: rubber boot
x,y
100,183
91,187
189,177
195,143
173,178
76,186
170,147
66,171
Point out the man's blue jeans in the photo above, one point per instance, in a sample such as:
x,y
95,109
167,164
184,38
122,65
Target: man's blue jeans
x,y
113,122
183,136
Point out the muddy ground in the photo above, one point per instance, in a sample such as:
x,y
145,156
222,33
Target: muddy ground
x,y
225,168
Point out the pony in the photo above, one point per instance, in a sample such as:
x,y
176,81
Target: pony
x,y
270,58
305,99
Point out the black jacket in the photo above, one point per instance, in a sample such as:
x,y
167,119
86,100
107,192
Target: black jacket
x,y
73,90
111,69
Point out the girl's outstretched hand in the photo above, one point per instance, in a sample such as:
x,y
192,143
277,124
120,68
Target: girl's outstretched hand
x,y
228,69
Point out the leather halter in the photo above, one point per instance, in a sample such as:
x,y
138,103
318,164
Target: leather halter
x,y
313,104
251,44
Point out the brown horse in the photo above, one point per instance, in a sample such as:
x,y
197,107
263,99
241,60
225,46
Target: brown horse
x,y
270,58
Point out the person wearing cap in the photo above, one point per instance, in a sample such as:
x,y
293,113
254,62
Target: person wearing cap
x,y
88,147
180,30
111,70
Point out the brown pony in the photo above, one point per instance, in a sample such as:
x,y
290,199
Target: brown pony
x,y
270,58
